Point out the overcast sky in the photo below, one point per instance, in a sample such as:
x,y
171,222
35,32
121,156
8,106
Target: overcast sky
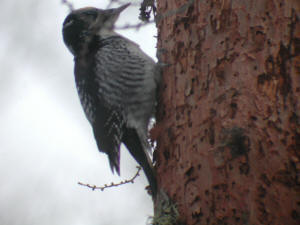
x,y
46,143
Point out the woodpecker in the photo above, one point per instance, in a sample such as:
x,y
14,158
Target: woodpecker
x,y
116,83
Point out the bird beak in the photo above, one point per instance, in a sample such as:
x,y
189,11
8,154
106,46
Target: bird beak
x,y
121,8
114,14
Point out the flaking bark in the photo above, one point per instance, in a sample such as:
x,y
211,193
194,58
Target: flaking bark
x,y
228,128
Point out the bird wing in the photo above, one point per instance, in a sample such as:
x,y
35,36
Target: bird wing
x,y
108,132
105,117
121,77
126,79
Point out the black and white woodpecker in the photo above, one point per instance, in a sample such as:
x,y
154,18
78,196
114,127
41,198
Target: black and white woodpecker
x,y
116,83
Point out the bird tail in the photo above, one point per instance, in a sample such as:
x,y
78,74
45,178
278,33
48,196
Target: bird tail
x,y
110,144
138,150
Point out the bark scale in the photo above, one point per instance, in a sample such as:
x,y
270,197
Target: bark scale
x,y
228,126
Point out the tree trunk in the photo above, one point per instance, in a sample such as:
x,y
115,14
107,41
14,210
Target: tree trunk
x,y
228,133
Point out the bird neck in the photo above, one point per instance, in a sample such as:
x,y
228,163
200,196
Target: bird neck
x,y
87,46
106,33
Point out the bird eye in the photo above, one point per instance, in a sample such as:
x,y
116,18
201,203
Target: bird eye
x,y
68,23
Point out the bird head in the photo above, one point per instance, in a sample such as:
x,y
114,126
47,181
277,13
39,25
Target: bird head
x,y
83,24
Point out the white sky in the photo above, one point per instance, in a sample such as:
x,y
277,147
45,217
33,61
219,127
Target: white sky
x,y
46,143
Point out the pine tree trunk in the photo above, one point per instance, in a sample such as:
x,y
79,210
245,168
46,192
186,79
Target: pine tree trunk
x,y
228,126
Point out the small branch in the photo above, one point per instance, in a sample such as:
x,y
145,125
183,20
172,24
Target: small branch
x,y
134,26
119,2
68,4
94,187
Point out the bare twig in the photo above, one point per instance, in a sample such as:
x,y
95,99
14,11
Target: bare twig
x,y
149,6
134,26
119,2
68,4
94,187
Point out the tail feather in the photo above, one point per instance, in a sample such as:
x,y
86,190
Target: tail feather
x,y
109,142
139,151
114,162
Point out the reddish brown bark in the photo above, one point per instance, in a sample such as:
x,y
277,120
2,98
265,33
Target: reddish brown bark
x,y
228,123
